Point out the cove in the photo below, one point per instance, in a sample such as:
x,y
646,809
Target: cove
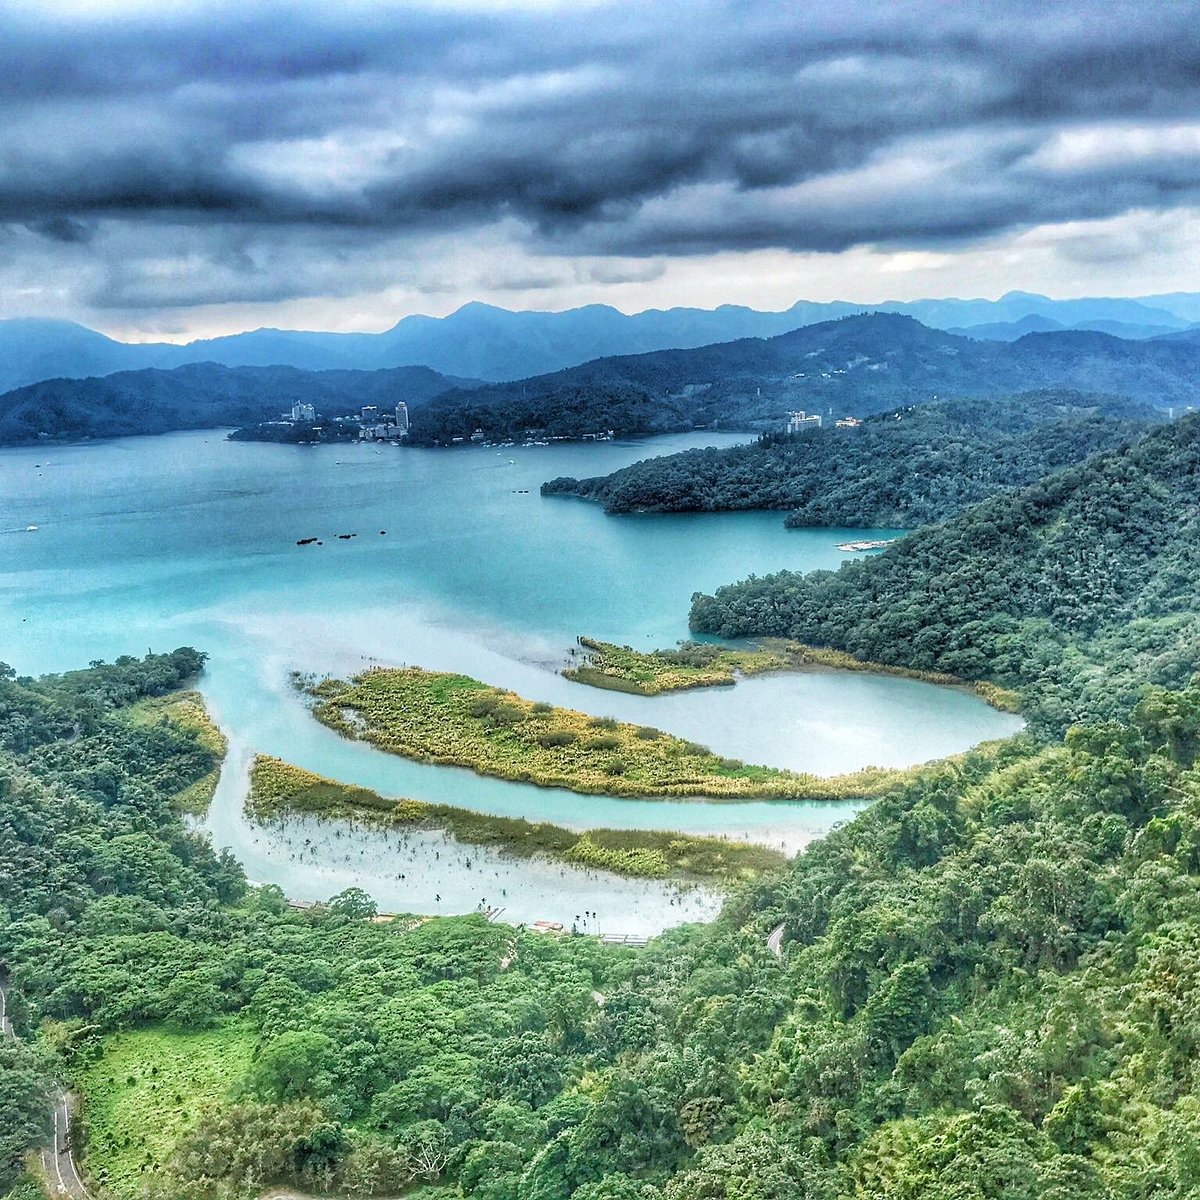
x,y
191,539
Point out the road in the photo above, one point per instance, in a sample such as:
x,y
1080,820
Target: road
x,y
775,941
56,1159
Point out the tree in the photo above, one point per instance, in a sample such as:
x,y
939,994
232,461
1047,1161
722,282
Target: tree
x,y
524,1068
296,1065
24,1107
354,903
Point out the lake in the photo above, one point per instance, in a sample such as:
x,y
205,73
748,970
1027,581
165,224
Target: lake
x,y
457,563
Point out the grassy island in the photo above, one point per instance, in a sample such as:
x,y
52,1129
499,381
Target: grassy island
x,y
689,665
278,788
703,664
458,721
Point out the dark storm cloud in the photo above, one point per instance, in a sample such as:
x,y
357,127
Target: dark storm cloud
x,y
63,229
613,129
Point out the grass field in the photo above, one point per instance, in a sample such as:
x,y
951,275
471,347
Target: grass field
x,y
453,719
278,788
147,1086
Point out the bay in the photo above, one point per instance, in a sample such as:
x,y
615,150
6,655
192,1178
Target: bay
x,y
455,563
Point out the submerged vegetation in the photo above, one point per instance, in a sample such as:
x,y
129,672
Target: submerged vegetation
x,y
453,719
278,788
704,664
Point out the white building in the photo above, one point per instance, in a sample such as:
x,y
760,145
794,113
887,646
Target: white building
x,y
401,418
798,421
303,412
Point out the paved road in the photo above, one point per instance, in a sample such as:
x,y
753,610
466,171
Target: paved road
x,y
6,1029
56,1158
775,941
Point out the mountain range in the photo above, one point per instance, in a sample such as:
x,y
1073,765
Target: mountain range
x,y
854,366
485,342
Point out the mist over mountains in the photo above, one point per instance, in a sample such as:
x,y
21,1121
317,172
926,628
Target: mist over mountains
x,y
485,342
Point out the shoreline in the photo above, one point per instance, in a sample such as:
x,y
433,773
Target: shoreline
x,y
278,789
454,720
725,664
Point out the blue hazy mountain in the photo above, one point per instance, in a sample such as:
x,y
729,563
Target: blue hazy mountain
x,y
860,364
1010,331
485,342
203,396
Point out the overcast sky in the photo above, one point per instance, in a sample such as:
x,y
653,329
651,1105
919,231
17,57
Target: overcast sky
x,y
175,169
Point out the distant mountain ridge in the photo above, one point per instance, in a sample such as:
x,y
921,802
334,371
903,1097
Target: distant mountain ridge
x,y
854,366
485,342
201,396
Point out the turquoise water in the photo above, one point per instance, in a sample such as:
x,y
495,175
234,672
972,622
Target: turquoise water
x,y
150,543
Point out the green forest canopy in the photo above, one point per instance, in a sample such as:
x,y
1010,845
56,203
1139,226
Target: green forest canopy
x,y
984,990
988,979
1076,590
899,469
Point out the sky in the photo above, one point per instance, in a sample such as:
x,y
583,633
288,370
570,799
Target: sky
x,y
174,169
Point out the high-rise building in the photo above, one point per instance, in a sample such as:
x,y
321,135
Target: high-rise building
x,y
303,412
401,418
370,412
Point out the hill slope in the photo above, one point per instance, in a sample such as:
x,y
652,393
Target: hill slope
x,y
857,365
1075,590
904,468
200,397
983,988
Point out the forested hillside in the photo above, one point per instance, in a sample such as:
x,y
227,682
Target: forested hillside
x,y
899,469
201,396
984,991
855,366
1075,590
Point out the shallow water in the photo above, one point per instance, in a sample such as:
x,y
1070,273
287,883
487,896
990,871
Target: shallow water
x,y
191,539
424,871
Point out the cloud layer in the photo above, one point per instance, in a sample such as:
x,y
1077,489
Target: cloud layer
x,y
197,155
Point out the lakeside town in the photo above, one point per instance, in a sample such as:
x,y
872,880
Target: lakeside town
x,y
304,425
